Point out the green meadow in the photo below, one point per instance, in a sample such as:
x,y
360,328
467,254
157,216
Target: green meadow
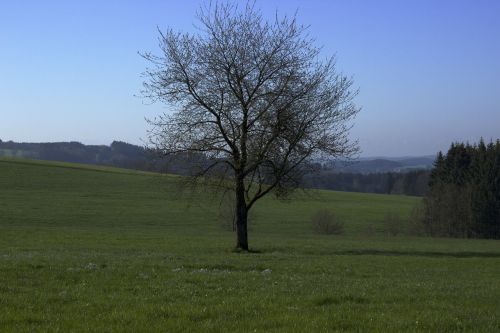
x,y
98,249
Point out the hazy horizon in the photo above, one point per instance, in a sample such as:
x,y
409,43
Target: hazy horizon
x,y
428,72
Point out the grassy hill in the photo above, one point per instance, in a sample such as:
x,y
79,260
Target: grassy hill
x,y
86,248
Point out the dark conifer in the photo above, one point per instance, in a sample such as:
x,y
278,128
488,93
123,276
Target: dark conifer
x,y
463,199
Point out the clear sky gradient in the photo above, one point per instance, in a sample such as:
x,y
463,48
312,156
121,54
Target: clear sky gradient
x,y
428,71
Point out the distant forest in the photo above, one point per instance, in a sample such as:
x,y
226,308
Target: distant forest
x,y
415,182
408,176
119,154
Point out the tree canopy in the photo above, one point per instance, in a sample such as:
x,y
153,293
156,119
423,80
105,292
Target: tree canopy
x,y
254,96
464,195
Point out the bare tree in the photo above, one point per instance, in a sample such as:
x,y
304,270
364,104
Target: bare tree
x,y
252,96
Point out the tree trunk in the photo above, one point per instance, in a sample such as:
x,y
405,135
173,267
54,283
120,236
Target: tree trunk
x,y
241,217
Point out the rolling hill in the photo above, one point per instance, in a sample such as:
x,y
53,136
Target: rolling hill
x,y
131,197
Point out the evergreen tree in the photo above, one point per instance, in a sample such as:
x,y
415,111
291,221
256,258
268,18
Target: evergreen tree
x,y
464,192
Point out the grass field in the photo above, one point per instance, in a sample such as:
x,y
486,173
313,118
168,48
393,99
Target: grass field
x,y
86,248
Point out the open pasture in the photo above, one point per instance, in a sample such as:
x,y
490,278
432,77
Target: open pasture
x,y
86,248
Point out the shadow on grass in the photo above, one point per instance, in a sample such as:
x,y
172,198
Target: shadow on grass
x,y
249,251
330,300
419,253
370,252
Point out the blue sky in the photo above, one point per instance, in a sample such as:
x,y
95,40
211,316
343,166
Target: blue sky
x,y
428,71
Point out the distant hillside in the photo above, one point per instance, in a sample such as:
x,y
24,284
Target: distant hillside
x,y
118,154
406,175
382,165
125,155
369,166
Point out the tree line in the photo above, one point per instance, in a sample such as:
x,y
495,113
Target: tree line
x,y
408,183
119,154
463,199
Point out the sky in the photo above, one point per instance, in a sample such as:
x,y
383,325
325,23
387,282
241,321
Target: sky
x,y
428,71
